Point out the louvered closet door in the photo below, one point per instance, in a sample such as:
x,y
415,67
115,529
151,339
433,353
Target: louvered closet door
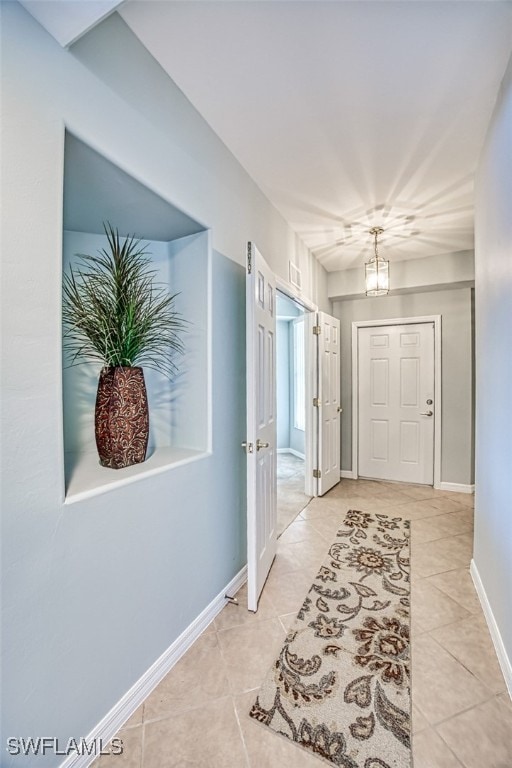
x,y
395,420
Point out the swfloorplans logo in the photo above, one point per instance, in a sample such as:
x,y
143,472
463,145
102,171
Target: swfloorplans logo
x,y
43,745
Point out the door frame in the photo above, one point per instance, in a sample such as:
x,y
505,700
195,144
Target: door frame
x,y
436,319
288,290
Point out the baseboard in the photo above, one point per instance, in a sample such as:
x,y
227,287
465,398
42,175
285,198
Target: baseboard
x,y
292,451
456,487
499,647
132,699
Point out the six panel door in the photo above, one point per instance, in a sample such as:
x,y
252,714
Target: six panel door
x,y
396,402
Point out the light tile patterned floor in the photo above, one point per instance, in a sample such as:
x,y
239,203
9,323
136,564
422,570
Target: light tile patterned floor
x,y
291,498
462,714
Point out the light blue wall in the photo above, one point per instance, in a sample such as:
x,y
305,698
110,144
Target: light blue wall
x,y
286,308
100,589
297,436
288,435
297,440
493,292
188,277
283,383
95,592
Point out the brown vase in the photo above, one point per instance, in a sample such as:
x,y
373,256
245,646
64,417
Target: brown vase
x,y
121,417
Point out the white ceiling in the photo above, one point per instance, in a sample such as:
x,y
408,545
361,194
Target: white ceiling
x,y
347,114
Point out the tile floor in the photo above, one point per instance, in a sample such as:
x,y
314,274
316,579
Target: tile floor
x,y
462,714
291,498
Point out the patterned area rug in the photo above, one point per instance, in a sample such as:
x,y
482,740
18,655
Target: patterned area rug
x,y
340,687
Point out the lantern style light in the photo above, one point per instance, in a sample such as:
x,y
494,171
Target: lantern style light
x,y
377,270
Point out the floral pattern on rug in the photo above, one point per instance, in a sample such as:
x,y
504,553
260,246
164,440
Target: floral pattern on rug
x,y
340,687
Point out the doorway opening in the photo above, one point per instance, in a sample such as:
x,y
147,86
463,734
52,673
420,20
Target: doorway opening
x,y
292,422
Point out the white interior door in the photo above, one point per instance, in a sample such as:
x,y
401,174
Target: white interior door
x,y
261,424
396,402
329,364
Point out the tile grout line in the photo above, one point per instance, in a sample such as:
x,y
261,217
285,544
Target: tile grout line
x,y
240,730
184,710
464,711
142,740
429,631
450,750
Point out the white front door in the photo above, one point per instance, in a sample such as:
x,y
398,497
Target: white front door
x,y
261,424
329,363
396,402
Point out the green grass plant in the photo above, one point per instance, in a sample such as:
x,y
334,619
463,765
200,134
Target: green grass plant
x,y
114,311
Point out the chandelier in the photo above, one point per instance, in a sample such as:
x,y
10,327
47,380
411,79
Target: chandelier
x,y
377,270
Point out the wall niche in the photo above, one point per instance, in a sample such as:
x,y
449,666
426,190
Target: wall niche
x,y
97,191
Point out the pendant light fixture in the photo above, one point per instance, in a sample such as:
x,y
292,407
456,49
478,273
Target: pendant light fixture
x,y
377,270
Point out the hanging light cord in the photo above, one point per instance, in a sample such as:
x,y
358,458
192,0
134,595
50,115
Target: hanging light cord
x,y
376,231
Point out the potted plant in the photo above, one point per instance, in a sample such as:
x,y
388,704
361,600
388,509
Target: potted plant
x,y
114,312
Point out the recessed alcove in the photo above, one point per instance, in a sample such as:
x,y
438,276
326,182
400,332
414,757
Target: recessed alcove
x,y
97,191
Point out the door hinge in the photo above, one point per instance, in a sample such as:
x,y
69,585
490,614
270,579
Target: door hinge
x,y
317,473
317,330
316,402
249,258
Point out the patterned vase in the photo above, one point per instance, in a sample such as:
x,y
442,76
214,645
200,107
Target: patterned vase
x,y
121,417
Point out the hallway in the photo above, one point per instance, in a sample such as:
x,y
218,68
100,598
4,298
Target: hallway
x,y
462,713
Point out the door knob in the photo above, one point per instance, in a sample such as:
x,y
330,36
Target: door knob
x,y
427,413
261,444
340,409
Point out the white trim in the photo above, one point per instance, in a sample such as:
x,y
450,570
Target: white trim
x,y
499,646
163,459
290,291
347,474
107,728
456,487
436,320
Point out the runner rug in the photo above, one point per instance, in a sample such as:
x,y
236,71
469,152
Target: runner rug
x,y
340,686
